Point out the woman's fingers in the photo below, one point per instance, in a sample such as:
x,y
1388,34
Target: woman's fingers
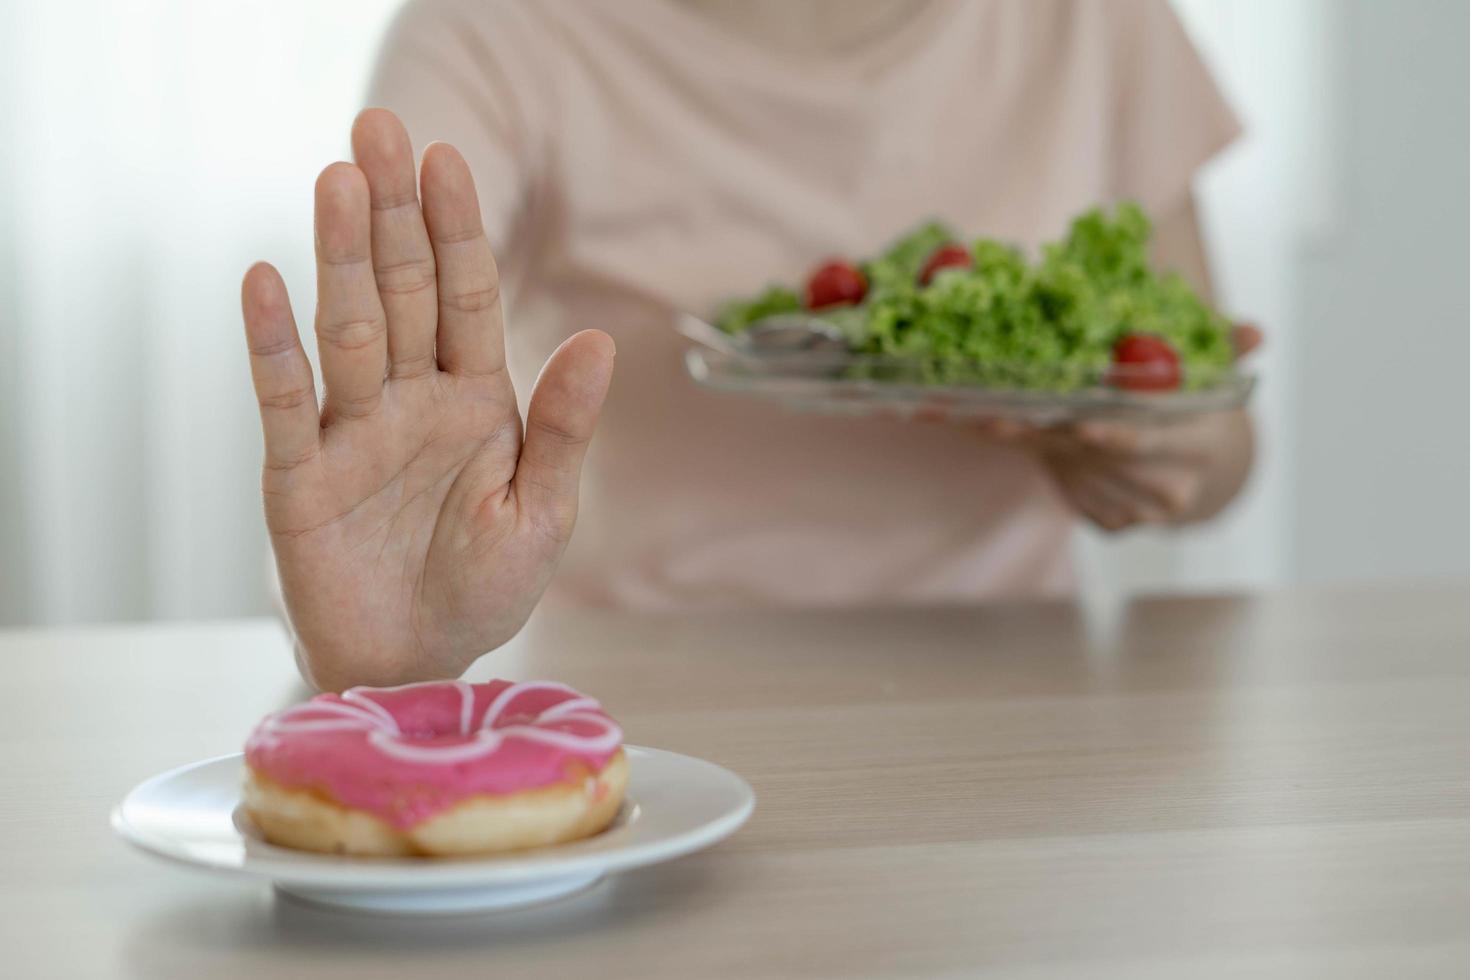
x,y
351,329
1161,491
1083,492
1245,338
403,261
1117,502
1121,438
559,423
471,338
1187,440
278,366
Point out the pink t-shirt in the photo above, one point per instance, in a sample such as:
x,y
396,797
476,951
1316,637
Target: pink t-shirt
x,y
635,159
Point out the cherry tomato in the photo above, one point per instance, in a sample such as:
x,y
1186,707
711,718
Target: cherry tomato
x,y
835,283
1143,362
951,256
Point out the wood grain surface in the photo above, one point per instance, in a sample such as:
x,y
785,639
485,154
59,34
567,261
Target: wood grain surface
x,y
1268,786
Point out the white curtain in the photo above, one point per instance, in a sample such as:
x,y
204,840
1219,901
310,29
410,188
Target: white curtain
x,y
152,149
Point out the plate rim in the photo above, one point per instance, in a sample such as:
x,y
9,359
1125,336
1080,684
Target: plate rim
x,y
322,870
823,394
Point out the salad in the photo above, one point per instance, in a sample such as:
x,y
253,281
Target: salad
x,y
1090,310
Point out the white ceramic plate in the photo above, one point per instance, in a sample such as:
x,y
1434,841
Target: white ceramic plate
x,y
675,805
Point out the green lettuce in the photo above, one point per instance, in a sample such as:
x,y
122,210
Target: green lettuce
x,y
737,315
1049,323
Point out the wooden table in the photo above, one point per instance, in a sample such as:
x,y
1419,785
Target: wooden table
x,y
1264,787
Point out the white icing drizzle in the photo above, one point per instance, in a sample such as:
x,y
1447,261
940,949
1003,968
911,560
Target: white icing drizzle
x,y
508,695
405,687
358,711
340,717
567,707
442,755
610,737
358,696
466,706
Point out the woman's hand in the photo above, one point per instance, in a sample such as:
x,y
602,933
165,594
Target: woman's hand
x,y
1121,475
415,524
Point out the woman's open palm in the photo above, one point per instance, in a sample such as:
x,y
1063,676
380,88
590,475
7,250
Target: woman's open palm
x,y
415,524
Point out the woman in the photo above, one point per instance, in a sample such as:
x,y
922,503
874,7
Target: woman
x,y
640,158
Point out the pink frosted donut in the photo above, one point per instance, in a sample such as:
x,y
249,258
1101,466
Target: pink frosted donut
x,y
439,768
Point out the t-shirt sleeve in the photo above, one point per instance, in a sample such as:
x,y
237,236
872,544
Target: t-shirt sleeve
x,y
1170,116
444,69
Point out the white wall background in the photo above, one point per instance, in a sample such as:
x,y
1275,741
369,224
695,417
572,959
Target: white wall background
x,y
1260,200
1383,446
14,591
150,150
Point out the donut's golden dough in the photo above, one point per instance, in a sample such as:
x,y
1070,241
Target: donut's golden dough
x,y
486,824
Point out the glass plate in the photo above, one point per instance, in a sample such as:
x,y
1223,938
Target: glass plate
x,y
839,383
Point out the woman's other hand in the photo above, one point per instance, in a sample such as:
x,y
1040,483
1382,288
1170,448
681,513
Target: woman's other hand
x,y
1121,475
